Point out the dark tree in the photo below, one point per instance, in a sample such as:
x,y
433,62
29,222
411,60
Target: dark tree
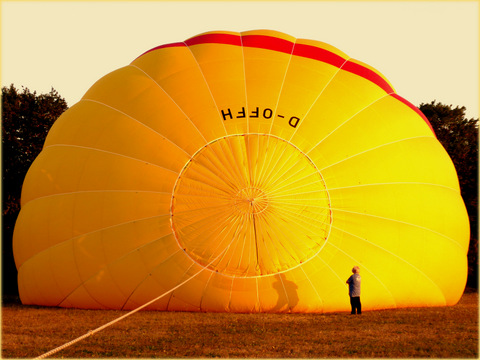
x,y
459,137
26,120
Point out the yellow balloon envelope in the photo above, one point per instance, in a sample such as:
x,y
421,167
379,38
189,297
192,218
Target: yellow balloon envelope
x,y
252,169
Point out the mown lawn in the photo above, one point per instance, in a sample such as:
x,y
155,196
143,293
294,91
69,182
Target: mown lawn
x,y
446,332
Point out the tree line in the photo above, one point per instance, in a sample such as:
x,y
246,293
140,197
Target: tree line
x,y
27,118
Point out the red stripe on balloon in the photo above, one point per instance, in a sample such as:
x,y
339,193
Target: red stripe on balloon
x,y
368,74
228,39
285,46
414,108
268,43
315,53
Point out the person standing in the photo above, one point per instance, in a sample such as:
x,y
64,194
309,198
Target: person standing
x,y
354,282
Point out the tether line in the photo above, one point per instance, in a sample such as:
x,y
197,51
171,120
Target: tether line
x,y
100,328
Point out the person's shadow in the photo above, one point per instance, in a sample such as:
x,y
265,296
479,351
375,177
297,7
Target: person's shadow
x,y
287,294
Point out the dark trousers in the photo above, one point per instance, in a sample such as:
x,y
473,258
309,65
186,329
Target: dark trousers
x,y
356,305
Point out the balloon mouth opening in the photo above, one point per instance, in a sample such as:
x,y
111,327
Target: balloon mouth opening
x,y
250,205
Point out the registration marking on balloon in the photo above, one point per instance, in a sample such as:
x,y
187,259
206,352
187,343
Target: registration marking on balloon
x,y
265,196
266,113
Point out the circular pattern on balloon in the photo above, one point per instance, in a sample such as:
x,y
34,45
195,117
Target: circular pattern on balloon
x,y
240,201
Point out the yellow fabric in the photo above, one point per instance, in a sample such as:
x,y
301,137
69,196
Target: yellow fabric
x,y
253,168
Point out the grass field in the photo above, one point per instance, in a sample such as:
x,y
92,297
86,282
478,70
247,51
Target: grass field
x,y
446,332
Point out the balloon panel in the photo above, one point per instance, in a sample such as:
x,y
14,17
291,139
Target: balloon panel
x,y
242,172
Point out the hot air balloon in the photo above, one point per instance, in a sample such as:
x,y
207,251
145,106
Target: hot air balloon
x,y
241,172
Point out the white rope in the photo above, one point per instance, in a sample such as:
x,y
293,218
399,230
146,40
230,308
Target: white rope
x,y
91,332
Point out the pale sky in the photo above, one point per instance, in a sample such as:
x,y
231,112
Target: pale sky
x,y
427,50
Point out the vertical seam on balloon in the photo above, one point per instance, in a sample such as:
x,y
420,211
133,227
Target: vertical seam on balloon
x,y
204,292
278,102
292,255
244,244
245,81
246,99
184,275
266,178
107,270
129,296
376,148
258,304
237,232
396,256
49,257
229,304
231,159
271,173
366,268
313,286
248,117
73,245
209,90
264,170
74,242
267,175
273,244
271,125
141,123
284,290
342,283
277,246
347,120
173,101
281,87
318,96
247,139
297,218
50,268
400,222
